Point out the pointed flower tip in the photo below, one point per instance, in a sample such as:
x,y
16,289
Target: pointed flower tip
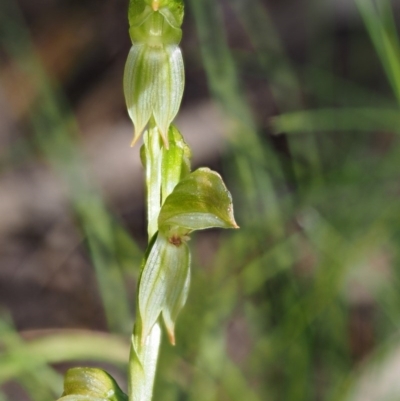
x,y
232,221
171,336
164,137
170,325
136,136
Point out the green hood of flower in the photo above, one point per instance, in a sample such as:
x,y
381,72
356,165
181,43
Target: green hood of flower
x,y
153,86
154,72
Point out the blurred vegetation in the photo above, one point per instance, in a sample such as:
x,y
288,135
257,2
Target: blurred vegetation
x,y
302,302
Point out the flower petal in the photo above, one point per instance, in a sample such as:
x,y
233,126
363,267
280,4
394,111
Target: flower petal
x,y
163,279
176,297
140,69
199,201
175,161
172,10
169,86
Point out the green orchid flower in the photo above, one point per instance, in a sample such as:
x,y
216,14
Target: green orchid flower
x,y
198,201
154,71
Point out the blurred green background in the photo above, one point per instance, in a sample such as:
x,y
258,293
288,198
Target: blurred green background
x,y
296,104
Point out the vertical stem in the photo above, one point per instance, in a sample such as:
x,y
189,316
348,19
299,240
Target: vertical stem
x,y
144,352
153,152
143,362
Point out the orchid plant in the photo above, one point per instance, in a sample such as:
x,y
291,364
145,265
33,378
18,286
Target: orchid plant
x,y
179,201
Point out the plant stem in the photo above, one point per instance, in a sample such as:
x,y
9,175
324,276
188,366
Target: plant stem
x,y
153,152
143,363
144,351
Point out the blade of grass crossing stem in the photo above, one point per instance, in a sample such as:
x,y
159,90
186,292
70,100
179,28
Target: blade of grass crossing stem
x,y
381,29
54,128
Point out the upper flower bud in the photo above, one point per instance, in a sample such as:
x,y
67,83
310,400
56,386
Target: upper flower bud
x,y
153,86
154,72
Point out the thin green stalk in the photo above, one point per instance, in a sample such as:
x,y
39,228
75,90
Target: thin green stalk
x,y
144,351
143,363
153,158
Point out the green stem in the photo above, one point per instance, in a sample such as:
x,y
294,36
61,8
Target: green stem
x,y
153,152
144,351
143,363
